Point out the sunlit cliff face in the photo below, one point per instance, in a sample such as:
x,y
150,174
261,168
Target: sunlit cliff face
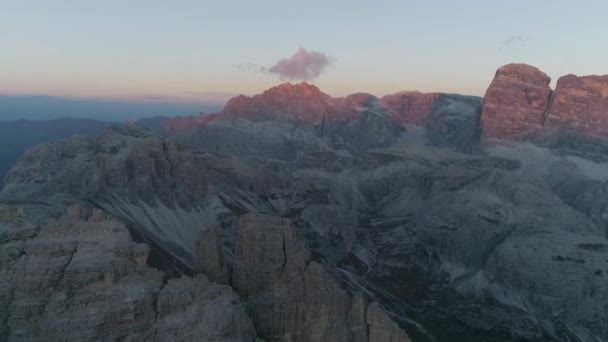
x,y
307,103
520,104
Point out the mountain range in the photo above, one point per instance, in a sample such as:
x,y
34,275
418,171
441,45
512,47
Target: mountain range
x,y
44,107
295,216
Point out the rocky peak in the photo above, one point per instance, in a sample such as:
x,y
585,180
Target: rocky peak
x,y
293,102
580,104
302,89
520,105
523,73
515,103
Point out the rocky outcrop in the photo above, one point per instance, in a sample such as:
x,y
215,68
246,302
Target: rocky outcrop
x,y
454,121
209,257
410,108
520,106
83,278
195,309
579,104
515,103
292,297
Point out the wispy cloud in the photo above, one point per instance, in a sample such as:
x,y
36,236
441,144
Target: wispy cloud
x,y
250,67
303,65
514,41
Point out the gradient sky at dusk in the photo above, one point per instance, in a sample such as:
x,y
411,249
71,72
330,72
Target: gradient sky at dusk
x,y
198,51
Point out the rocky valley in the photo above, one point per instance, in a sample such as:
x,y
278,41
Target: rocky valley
x,y
295,216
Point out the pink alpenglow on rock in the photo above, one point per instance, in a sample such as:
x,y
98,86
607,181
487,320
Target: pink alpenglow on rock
x,y
580,104
515,103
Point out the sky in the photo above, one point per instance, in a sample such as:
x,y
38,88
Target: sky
x,y
193,52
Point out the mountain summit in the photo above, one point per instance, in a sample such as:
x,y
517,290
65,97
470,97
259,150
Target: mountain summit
x,y
306,103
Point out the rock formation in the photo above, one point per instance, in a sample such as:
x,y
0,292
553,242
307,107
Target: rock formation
x,y
292,297
195,309
410,108
520,106
454,121
83,278
515,103
209,257
579,104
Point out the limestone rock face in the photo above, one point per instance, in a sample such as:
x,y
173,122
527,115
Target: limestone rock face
x,y
515,103
520,106
209,257
83,278
381,327
195,309
291,297
454,121
580,104
410,108
267,249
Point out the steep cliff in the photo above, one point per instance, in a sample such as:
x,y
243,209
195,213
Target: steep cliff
x,y
580,104
81,277
520,106
515,102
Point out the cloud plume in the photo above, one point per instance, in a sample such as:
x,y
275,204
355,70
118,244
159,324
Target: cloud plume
x,y
303,65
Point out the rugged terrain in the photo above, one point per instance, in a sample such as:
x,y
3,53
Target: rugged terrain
x,y
18,136
294,216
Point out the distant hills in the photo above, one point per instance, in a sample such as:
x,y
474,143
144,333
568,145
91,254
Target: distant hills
x,y
37,107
